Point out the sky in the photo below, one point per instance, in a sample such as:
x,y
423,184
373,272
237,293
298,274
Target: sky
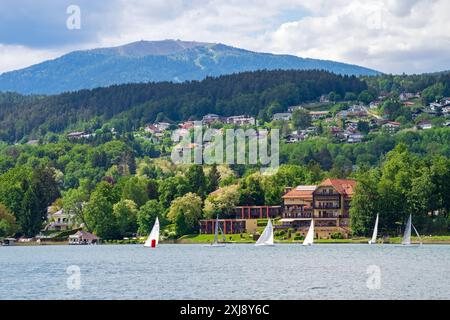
x,y
392,36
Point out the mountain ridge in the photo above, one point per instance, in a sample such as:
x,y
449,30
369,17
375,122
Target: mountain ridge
x,y
155,61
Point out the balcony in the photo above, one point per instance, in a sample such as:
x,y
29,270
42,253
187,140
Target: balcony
x,y
327,206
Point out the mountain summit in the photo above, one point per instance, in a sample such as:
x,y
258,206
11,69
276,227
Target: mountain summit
x,y
154,61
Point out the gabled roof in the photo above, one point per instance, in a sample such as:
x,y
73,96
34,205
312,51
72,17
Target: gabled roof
x,y
343,186
303,192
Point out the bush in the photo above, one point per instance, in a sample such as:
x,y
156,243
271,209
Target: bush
x,y
280,233
299,238
337,236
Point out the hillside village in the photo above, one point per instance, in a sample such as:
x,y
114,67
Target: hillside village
x,y
344,122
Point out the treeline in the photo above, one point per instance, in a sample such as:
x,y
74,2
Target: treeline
x,y
137,104
340,159
431,85
404,184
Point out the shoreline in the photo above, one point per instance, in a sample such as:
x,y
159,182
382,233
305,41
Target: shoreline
x,y
395,241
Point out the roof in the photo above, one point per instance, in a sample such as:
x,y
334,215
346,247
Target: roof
x,y
304,192
85,235
343,186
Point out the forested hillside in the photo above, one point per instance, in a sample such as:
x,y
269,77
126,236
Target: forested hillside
x,y
29,117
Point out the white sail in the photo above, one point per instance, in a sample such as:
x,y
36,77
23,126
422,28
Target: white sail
x,y
407,235
375,231
153,238
216,235
266,238
309,240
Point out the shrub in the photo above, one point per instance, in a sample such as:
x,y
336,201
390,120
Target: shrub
x,y
337,236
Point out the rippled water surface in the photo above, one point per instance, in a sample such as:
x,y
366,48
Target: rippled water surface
x,y
232,272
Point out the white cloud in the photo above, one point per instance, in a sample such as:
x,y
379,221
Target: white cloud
x,y
15,57
388,35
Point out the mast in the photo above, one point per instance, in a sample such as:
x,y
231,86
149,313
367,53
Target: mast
x,y
216,232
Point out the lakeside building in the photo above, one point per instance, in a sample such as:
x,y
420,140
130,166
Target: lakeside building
x,y
328,204
243,219
83,238
228,226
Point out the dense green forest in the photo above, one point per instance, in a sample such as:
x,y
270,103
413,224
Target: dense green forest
x,y
117,182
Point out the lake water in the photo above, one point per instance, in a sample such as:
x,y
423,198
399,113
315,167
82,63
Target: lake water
x,y
232,272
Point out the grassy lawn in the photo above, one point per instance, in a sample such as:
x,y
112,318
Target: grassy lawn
x,y
247,238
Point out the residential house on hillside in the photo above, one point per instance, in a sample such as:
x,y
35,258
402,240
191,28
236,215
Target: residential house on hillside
x,y
391,127
187,125
446,111
317,115
60,221
406,96
241,120
295,137
355,138
282,116
79,135
324,99
294,108
211,118
424,125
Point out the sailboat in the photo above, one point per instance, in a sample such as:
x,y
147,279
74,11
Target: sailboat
x,y
266,238
153,238
309,240
407,235
216,242
375,231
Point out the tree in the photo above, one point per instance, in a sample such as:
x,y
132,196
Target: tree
x,y
213,179
366,97
31,217
365,204
45,188
363,127
186,212
301,119
125,212
147,215
196,180
172,188
252,193
99,214
136,189
73,201
8,225
222,202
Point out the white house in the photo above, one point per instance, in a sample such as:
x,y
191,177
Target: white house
x,y
391,126
241,120
425,125
282,116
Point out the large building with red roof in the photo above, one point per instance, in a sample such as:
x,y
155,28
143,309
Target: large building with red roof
x,y
328,204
